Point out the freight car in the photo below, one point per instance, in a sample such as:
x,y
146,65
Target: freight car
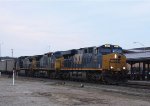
x,y
2,66
7,65
105,63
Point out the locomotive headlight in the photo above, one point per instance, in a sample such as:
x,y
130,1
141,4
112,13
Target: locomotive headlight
x,y
111,67
124,68
115,56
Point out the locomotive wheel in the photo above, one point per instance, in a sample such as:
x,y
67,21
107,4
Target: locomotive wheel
x,y
108,78
94,77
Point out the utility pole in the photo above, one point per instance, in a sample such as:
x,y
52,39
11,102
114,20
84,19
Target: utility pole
x,y
12,51
13,69
13,77
49,47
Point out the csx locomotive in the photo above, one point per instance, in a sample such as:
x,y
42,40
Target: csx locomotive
x,y
105,63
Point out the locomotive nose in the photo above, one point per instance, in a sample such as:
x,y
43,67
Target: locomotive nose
x,y
117,56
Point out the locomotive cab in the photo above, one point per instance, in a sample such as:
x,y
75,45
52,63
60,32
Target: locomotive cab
x,y
113,63
113,60
104,49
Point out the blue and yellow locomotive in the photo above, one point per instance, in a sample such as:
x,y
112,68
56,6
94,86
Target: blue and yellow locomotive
x,y
105,63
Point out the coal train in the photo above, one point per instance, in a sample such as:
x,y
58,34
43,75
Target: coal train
x,y
105,63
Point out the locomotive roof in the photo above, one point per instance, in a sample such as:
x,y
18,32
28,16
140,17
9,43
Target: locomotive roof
x,y
110,45
68,51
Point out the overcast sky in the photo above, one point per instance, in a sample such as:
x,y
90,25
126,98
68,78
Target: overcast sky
x,y
33,27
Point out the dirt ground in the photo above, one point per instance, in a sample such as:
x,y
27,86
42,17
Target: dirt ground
x,y
36,92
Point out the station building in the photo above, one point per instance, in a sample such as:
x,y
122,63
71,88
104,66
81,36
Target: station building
x,y
138,63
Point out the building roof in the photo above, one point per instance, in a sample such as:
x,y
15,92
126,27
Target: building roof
x,y
138,55
6,58
142,49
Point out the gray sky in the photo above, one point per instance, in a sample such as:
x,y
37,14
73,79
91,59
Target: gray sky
x,y
35,27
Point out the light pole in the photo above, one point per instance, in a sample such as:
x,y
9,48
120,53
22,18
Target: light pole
x,y
12,52
49,48
144,49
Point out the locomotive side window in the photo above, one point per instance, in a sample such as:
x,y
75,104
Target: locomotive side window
x,y
91,50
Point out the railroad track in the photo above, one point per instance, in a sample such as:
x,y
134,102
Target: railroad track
x,y
128,84
136,85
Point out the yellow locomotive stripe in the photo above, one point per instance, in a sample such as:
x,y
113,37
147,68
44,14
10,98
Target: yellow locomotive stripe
x,y
83,69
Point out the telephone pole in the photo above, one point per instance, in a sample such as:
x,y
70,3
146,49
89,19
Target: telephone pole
x,y
12,52
49,47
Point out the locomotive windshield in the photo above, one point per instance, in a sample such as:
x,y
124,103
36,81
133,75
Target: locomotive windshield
x,y
105,49
117,49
